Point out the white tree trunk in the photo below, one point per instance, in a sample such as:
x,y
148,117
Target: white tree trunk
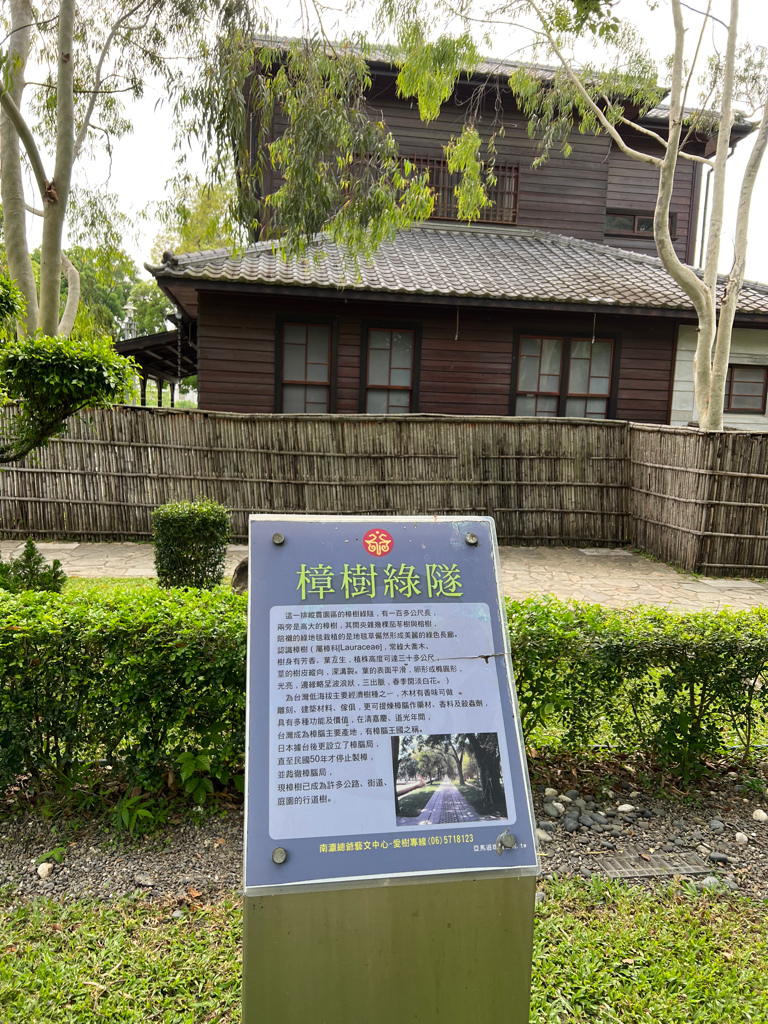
x,y
11,178
53,223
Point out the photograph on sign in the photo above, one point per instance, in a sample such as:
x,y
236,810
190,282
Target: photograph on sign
x,y
448,779
379,701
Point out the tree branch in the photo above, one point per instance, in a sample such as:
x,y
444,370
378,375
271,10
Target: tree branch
x,y
31,209
645,158
24,132
117,27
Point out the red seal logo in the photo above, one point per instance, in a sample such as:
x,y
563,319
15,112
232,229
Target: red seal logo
x,y
378,542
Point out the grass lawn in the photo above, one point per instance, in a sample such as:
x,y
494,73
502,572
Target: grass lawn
x,y
413,803
604,954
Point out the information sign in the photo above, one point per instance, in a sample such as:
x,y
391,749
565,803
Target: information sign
x,y
383,733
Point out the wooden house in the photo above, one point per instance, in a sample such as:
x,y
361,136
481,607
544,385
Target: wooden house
x,y
553,305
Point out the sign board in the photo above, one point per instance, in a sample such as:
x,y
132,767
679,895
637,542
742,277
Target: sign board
x,y
383,736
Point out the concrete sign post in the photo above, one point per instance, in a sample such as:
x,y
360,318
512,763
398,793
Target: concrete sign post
x,y
384,753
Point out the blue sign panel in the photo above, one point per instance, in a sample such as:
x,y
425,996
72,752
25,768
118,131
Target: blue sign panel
x,y
383,737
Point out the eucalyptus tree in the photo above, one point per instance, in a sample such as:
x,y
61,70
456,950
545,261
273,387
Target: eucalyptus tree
x,y
67,71
705,95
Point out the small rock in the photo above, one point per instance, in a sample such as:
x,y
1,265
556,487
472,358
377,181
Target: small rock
x,y
581,803
543,837
760,815
571,825
678,823
710,882
615,832
563,799
716,825
731,882
741,838
703,849
141,878
634,794
550,794
546,826
585,819
540,898
572,794
45,870
668,848
732,775
718,858
585,872
180,913
552,810
625,808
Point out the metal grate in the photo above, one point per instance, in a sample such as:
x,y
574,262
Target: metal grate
x,y
503,195
634,866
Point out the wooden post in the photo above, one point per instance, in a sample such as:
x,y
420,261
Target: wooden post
x,y
143,389
173,394
159,393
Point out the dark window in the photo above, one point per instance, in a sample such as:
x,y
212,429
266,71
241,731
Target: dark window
x,y
620,222
306,367
589,378
539,377
389,382
503,195
745,388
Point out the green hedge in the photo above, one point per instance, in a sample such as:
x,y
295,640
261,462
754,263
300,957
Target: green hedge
x,y
138,678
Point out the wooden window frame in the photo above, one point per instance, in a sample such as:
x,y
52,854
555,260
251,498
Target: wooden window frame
x,y
286,319
541,394
532,331
626,233
389,325
446,204
588,395
727,408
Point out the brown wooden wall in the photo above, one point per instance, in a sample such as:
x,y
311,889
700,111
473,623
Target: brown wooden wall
x,y
468,375
570,195
633,187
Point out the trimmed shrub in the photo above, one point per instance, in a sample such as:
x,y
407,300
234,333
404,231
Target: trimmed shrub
x,y
134,677
30,571
190,543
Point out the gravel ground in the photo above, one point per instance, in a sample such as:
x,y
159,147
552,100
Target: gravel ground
x,y
726,831
188,861
185,861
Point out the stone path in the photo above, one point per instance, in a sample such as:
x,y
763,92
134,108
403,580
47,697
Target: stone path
x,y
447,806
611,576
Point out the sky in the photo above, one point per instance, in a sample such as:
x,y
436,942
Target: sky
x,y
144,160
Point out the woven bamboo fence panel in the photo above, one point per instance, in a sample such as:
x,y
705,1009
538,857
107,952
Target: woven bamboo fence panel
x,y
544,480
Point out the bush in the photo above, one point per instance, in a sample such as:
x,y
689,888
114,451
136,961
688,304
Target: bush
x,y
30,571
134,677
680,685
190,543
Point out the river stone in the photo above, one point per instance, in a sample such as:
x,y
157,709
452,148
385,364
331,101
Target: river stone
x,y
45,870
552,810
543,837
550,793
626,808
716,825
760,815
741,838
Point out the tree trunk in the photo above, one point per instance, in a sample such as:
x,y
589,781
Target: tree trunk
x,y
55,210
458,758
396,768
11,178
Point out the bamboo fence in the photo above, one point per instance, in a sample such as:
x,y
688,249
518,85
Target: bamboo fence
x,y
694,499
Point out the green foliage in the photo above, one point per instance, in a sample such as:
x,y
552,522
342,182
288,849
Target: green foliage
x,y
190,543
50,379
194,769
199,215
463,157
134,677
672,683
151,308
30,571
107,275
430,70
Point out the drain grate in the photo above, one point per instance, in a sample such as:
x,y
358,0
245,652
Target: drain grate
x,y
634,866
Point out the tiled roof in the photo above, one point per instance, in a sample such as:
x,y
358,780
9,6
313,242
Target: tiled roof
x,y
478,262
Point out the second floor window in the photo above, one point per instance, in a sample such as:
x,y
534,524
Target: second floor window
x,y
620,222
306,367
503,194
745,388
389,381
